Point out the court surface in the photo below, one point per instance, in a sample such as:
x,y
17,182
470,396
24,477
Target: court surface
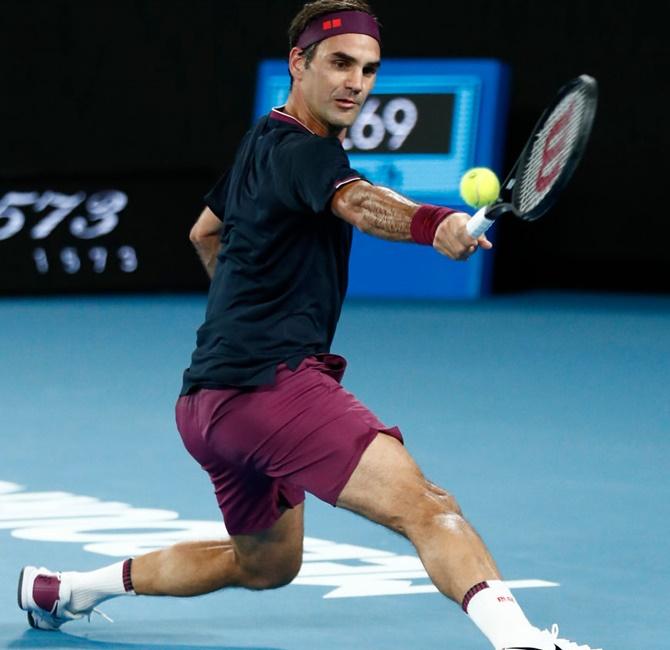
x,y
548,416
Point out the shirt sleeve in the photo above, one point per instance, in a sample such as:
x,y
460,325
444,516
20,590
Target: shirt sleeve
x,y
216,198
313,170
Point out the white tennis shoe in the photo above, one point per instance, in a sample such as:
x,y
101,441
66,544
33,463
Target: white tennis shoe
x,y
548,640
46,595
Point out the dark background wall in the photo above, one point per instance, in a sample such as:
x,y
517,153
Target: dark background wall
x,y
140,86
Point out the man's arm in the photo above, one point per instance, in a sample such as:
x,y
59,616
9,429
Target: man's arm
x,y
384,213
206,237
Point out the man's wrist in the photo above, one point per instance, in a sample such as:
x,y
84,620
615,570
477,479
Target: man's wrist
x,y
426,221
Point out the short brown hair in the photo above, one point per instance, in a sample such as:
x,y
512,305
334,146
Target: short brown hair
x,y
316,8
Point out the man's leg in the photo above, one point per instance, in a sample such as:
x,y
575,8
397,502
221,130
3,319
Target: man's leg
x,y
387,487
265,560
271,558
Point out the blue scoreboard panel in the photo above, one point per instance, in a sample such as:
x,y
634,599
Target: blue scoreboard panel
x,y
425,124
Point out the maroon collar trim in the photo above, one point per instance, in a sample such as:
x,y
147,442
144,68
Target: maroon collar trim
x,y
277,114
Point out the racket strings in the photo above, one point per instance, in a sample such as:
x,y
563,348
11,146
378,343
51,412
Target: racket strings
x,y
551,150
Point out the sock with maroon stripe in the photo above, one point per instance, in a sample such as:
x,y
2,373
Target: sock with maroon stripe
x,y
90,588
492,608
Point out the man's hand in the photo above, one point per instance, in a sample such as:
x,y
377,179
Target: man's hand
x,y
452,238
205,236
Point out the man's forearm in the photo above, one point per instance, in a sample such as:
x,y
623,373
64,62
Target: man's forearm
x,y
208,251
381,212
384,213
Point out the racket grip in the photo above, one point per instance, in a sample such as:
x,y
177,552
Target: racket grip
x,y
479,224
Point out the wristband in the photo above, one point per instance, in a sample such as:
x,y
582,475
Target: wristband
x,y
425,222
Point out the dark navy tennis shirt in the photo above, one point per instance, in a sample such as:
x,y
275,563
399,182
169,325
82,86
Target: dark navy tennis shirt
x,y
281,274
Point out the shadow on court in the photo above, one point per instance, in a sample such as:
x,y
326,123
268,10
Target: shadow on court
x,y
37,639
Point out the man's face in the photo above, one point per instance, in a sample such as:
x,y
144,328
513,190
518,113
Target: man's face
x,y
339,78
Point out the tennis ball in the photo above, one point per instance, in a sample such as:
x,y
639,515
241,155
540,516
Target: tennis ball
x,y
479,187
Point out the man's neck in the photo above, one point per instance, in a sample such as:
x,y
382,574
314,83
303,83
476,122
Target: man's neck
x,y
297,108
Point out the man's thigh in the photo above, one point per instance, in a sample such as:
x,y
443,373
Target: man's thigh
x,y
386,484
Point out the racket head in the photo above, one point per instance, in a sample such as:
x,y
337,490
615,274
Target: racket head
x,y
554,149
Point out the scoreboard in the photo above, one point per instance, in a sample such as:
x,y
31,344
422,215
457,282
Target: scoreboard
x,y
424,125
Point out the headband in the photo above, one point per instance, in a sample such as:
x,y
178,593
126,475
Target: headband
x,y
340,22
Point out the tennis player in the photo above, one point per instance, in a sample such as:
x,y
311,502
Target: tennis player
x,y
262,409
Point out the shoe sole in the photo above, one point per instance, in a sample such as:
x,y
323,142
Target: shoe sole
x,y
23,598
19,599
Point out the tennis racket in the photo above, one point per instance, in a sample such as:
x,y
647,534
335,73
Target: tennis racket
x,y
548,159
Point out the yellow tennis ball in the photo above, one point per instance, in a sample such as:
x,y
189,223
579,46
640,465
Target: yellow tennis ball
x,y
479,187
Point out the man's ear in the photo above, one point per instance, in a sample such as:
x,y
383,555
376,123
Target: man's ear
x,y
296,63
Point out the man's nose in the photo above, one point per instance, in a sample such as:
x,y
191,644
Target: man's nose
x,y
355,80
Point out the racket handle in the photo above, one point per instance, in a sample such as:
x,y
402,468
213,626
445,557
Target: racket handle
x,y
479,224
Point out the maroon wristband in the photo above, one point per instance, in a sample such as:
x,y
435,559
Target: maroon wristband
x,y
425,222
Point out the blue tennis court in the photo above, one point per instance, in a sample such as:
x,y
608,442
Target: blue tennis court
x,y
547,415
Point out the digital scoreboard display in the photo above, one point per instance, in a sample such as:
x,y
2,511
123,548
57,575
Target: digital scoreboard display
x,y
112,233
388,123
424,125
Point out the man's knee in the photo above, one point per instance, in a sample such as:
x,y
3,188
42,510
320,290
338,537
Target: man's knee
x,y
444,501
269,573
431,505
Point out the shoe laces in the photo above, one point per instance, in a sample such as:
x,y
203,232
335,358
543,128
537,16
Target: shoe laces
x,y
99,613
564,644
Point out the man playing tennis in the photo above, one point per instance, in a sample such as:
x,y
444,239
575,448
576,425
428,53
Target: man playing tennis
x,y
261,408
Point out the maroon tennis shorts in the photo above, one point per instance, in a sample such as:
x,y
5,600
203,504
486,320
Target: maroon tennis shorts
x,y
264,447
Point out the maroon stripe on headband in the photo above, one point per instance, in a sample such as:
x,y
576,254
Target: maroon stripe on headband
x,y
339,22
480,586
127,581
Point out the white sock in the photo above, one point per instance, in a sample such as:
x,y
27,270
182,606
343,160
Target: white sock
x,y
494,610
90,588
